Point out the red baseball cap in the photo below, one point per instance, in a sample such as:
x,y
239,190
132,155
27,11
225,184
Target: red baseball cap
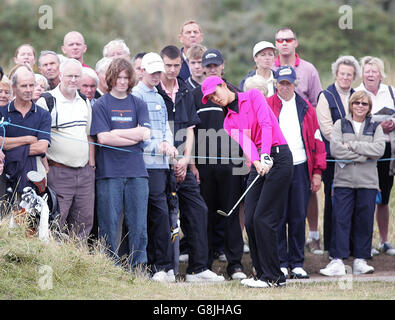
x,y
209,86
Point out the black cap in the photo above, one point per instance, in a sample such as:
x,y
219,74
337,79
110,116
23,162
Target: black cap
x,y
212,56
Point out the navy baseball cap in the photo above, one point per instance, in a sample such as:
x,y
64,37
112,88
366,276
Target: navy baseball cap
x,y
285,73
212,56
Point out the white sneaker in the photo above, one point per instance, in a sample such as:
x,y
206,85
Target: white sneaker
x,y
387,249
170,277
222,257
361,267
334,268
183,257
252,283
204,276
160,276
374,252
285,272
299,273
239,275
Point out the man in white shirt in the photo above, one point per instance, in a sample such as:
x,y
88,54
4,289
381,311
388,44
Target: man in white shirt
x,y
71,158
299,124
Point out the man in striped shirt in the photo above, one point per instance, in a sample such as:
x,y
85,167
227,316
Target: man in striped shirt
x,y
71,159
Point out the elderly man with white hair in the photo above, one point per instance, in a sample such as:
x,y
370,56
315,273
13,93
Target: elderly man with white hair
x,y
89,83
101,68
71,158
116,49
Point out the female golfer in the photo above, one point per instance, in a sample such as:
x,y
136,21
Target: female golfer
x,y
250,122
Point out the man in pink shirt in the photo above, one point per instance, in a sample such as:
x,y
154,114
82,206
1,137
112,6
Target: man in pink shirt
x,y
250,122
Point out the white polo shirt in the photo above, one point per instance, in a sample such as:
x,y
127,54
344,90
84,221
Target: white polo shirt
x,y
289,124
71,121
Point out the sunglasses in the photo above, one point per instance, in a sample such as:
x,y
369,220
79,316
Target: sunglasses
x,y
287,40
357,103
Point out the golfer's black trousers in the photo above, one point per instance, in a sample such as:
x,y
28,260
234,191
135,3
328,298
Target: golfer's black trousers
x,y
264,207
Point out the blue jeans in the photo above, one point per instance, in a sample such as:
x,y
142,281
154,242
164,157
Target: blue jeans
x,y
131,196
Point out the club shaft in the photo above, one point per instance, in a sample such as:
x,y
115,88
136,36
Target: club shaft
x,y
243,195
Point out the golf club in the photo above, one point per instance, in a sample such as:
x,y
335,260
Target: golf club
x,y
222,213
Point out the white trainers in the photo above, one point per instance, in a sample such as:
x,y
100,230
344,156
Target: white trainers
x,y
313,245
204,276
299,273
222,257
285,272
387,249
374,252
361,267
252,283
334,268
238,275
183,257
162,276
170,276
159,276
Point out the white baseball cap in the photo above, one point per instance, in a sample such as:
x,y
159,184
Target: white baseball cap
x,y
152,62
262,45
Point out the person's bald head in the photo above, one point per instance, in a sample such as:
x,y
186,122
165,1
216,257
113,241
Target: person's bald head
x,y
74,46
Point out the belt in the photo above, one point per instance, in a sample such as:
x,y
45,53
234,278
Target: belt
x,y
275,149
59,165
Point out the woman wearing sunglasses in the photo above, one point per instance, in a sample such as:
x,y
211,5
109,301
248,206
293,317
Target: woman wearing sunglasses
x,y
359,142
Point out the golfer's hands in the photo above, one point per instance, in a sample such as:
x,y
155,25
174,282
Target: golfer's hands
x,y
262,170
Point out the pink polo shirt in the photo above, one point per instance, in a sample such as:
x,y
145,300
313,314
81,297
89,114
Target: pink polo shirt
x,y
255,126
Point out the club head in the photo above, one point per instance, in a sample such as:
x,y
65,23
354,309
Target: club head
x,y
222,213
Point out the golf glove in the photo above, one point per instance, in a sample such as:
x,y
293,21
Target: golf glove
x,y
266,161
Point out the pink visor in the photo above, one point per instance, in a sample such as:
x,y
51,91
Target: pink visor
x,y
209,86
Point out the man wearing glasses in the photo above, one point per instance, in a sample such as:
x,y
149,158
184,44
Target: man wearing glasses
x,y
71,159
309,87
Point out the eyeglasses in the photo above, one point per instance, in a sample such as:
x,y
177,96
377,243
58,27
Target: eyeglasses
x,y
287,40
357,103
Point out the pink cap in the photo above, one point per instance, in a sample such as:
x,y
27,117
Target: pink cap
x,y
209,86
